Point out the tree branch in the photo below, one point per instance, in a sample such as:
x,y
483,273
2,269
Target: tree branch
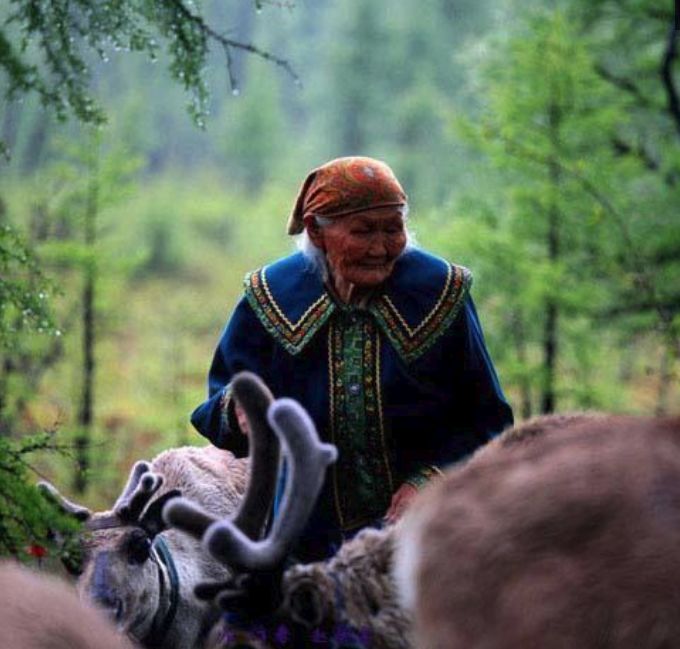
x,y
672,303
660,13
624,84
228,43
647,159
624,148
666,72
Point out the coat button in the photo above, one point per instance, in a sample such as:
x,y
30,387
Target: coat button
x,y
354,389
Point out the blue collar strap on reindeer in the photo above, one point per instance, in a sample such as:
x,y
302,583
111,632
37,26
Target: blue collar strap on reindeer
x,y
161,623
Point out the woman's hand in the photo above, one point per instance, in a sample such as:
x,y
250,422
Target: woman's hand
x,y
400,501
241,418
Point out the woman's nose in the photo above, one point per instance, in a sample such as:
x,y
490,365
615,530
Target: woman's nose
x,y
377,247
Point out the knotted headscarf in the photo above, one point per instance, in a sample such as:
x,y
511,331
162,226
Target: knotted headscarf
x,y
345,186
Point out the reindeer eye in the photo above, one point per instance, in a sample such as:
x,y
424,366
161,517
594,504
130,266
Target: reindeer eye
x,y
138,547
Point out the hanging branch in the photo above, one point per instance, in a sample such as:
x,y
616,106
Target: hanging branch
x,y
622,83
233,84
228,43
57,69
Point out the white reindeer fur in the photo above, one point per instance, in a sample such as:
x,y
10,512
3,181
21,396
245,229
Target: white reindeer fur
x,y
210,477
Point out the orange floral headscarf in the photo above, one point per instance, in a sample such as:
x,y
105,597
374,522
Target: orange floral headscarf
x,y
344,186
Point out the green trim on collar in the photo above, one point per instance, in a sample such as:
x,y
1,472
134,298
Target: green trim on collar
x,y
417,306
412,341
293,336
423,476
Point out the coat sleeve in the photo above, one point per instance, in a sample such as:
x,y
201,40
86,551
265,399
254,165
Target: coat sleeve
x,y
243,345
489,412
482,410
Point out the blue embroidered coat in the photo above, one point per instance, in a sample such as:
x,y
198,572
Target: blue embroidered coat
x,y
403,386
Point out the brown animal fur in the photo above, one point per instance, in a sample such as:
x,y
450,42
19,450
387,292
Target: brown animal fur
x,y
570,542
41,612
361,574
526,431
363,569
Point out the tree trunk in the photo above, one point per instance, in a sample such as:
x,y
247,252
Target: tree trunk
x,y
85,414
10,123
519,338
550,335
37,141
665,381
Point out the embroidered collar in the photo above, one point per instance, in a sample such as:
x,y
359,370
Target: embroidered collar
x,y
415,307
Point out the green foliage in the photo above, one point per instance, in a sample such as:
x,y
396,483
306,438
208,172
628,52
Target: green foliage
x,y
558,217
253,131
27,518
45,47
186,212
24,290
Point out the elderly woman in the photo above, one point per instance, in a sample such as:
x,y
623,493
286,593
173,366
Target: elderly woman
x,y
379,340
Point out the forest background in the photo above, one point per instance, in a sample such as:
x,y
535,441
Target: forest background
x,y
538,142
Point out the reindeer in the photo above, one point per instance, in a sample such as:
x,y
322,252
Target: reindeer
x,y
570,541
353,594
142,574
573,530
39,611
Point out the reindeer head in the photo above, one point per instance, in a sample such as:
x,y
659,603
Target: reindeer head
x,y
122,567
255,589
118,566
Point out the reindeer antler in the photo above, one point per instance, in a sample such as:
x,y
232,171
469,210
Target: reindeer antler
x,y
256,398
130,510
69,507
137,471
308,458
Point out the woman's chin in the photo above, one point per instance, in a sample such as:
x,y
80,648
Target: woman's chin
x,y
368,278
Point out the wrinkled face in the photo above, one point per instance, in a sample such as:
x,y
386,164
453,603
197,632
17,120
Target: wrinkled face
x,y
362,248
120,578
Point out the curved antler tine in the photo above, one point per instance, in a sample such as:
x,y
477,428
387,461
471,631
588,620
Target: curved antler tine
x,y
152,520
52,493
137,471
309,459
188,517
147,486
255,398
208,590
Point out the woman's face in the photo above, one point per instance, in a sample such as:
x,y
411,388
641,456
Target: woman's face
x,y
361,248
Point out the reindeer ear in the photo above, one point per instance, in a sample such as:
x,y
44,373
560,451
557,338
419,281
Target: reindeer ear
x,y
152,521
305,603
252,595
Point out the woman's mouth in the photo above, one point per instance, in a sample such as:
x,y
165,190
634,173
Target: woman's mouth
x,y
373,264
